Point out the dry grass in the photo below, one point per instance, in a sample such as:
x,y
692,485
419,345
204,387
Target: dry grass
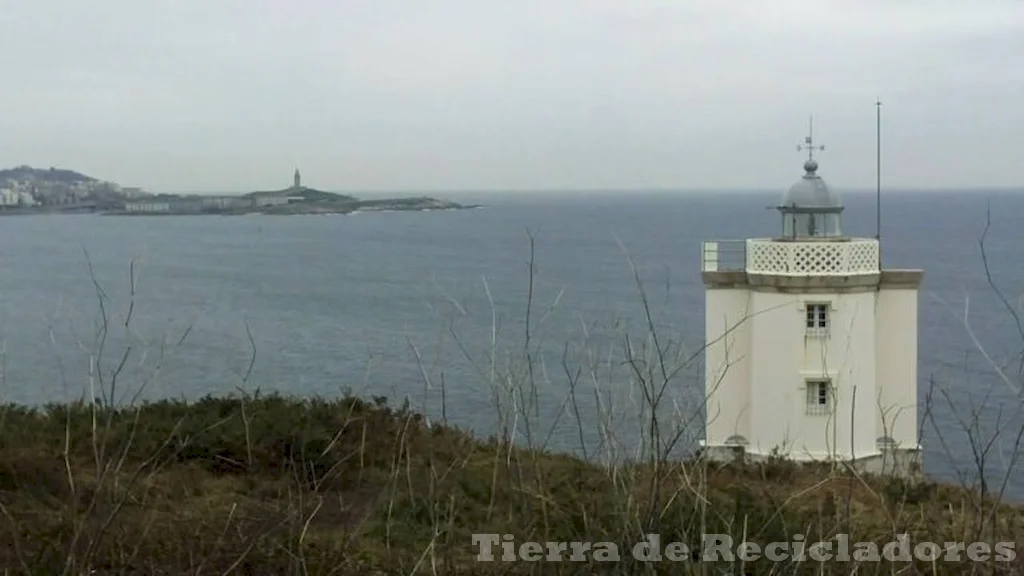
x,y
355,487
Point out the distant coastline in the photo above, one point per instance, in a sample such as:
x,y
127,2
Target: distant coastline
x,y
291,202
25,191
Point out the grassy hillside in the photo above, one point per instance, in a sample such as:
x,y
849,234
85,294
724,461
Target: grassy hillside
x,y
273,485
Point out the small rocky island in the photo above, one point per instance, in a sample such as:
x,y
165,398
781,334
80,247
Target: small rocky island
x,y
27,190
297,199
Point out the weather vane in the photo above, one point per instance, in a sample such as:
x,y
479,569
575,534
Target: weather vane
x,y
809,142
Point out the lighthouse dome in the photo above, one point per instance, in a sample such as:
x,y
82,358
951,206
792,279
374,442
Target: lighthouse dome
x,y
810,209
811,191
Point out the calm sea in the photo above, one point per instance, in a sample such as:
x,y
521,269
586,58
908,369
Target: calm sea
x,y
431,308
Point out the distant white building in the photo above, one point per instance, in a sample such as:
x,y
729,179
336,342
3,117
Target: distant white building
x,y
224,202
14,197
811,347
262,200
148,207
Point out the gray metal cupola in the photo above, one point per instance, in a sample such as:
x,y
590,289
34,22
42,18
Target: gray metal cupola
x,y
810,209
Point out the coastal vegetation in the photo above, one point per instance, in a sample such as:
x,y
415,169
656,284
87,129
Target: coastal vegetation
x,y
257,484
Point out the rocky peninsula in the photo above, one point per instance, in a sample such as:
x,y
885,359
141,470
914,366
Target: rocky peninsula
x,y
284,202
25,190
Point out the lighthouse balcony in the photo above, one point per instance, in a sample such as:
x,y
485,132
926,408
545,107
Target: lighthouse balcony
x,y
767,256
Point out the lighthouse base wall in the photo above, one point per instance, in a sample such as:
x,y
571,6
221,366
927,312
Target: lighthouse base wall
x,y
899,462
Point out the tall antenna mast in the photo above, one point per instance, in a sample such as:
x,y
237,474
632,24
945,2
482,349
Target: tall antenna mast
x,y
878,170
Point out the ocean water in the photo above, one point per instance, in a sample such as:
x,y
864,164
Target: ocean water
x,y
431,308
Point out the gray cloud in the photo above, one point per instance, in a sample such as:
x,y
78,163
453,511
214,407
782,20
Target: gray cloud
x,y
381,94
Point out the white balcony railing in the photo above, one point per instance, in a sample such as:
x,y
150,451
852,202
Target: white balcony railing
x,y
767,256
723,255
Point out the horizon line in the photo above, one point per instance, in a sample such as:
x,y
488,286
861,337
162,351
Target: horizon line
x,y
617,190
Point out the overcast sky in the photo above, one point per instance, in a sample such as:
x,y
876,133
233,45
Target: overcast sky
x,y
232,95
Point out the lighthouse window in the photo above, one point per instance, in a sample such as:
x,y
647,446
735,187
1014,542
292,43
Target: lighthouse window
x,y
817,318
819,397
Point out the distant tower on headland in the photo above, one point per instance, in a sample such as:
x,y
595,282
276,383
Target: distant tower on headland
x,y
298,180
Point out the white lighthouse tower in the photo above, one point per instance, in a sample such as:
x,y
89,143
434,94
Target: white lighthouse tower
x,y
811,348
